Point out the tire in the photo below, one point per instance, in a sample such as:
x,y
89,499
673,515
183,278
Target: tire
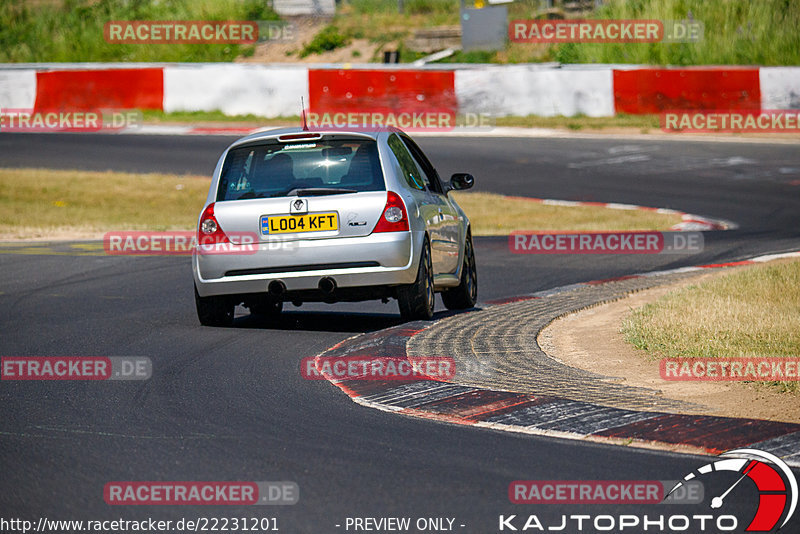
x,y
465,295
214,311
417,300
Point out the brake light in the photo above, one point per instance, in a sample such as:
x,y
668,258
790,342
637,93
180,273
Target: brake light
x,y
209,231
298,137
394,217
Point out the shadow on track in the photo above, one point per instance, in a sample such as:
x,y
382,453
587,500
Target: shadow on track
x,y
357,323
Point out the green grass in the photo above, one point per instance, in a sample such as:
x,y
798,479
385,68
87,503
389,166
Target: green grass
x,y
157,117
410,7
642,123
752,312
737,32
73,30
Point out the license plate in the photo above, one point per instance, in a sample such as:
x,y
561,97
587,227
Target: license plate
x,y
310,222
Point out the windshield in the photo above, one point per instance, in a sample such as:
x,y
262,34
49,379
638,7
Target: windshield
x,y
318,167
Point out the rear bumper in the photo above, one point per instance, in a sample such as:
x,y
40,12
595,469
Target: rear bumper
x,y
382,259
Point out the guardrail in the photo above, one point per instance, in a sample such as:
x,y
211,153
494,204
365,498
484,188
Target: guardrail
x,y
501,90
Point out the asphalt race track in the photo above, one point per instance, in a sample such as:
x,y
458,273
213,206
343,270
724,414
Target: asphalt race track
x,y
230,404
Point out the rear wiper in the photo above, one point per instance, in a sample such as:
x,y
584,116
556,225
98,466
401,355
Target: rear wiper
x,y
319,191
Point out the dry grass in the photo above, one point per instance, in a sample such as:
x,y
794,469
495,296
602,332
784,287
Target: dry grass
x,y
37,203
492,214
753,312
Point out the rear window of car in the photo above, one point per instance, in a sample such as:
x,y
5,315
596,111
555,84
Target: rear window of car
x,y
274,169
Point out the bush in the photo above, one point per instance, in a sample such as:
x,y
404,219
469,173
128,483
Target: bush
x,y
327,39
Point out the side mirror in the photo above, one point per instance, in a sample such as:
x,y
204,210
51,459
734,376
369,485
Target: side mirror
x,y
461,181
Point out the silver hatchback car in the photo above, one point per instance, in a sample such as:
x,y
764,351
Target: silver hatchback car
x,y
327,216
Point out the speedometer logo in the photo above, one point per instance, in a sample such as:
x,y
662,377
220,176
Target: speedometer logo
x,y
776,484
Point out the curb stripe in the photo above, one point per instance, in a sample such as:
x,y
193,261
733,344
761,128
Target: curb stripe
x,y
715,434
560,417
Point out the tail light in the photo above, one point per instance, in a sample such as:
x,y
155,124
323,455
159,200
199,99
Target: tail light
x,y
209,231
394,217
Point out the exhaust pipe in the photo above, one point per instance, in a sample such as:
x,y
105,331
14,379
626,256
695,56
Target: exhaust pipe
x,y
327,285
276,288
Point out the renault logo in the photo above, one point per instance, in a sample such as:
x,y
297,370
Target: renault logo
x,y
298,206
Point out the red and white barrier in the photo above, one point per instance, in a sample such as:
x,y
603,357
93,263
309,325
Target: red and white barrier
x,y
382,90
136,88
235,89
275,90
17,88
521,90
653,90
780,87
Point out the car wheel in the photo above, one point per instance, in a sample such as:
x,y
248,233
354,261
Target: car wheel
x,y
465,295
214,311
417,300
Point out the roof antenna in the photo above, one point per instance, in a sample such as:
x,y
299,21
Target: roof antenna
x,y
303,111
